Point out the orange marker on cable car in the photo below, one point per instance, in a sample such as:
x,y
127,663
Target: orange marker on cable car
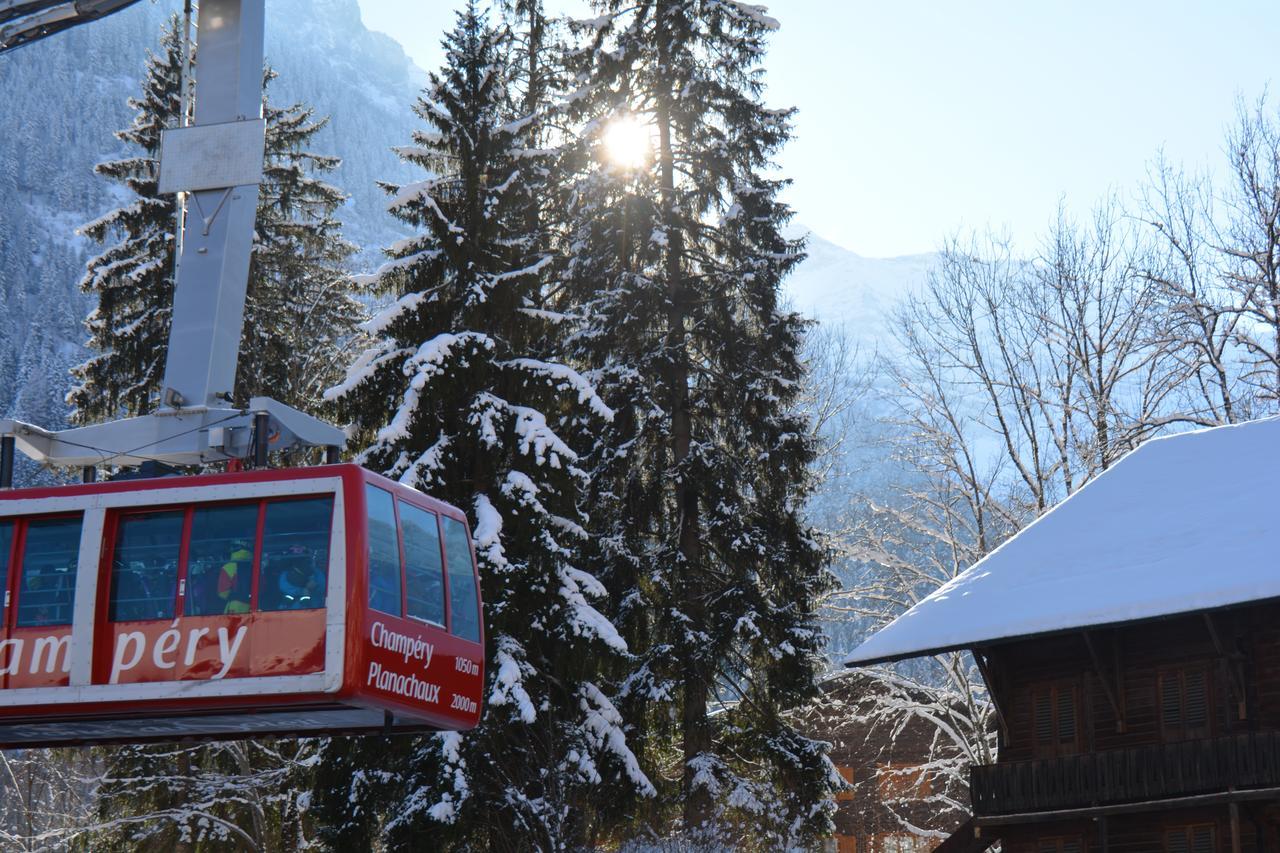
x,y
298,601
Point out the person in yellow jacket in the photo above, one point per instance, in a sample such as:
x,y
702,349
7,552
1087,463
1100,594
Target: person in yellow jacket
x,y
233,587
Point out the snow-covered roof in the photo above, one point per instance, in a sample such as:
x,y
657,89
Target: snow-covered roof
x,y
1184,523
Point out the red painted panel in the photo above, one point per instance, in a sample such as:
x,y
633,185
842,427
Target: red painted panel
x,y
36,657
420,669
287,642
213,647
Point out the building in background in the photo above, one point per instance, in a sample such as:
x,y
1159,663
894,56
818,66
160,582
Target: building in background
x,y
906,795
1130,639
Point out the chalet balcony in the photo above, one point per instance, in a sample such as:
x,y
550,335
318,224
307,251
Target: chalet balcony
x,y
1138,774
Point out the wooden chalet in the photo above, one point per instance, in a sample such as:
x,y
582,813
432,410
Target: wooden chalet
x,y
1130,639
898,801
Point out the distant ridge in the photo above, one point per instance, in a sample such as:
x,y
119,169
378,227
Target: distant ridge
x,y
835,285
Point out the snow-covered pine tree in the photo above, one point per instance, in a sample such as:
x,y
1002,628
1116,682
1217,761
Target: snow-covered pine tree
x,y
675,277
299,313
133,278
460,396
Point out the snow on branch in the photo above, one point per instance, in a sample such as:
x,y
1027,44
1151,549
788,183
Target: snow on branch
x,y
566,379
364,367
534,436
508,681
605,727
488,532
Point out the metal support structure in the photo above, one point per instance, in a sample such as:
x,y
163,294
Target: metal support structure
x,y
6,462
89,474
261,439
184,114
213,268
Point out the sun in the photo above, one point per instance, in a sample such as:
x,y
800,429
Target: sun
x,y
628,142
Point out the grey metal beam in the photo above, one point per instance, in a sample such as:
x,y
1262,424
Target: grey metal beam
x,y
213,270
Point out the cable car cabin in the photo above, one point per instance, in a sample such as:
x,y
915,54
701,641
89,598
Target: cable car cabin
x,y
299,601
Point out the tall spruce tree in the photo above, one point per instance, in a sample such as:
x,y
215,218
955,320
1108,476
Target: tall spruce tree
x,y
703,478
133,278
461,396
299,313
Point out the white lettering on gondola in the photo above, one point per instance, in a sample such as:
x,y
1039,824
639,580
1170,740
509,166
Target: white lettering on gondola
x,y
411,648
10,656
228,655
193,637
403,685
45,652
129,639
132,645
54,646
167,644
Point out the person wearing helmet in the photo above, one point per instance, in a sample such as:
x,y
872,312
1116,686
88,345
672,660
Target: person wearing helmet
x,y
301,584
233,579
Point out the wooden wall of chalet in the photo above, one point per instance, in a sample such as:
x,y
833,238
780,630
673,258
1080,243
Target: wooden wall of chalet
x,y
1203,830
1141,662
1121,687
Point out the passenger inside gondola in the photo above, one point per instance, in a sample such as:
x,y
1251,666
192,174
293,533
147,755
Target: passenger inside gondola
x,y
296,547
221,535
300,581
235,579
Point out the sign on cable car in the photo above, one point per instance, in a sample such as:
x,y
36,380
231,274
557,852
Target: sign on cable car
x,y
299,601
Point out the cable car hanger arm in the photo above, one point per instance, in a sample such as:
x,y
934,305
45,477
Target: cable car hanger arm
x,y
25,21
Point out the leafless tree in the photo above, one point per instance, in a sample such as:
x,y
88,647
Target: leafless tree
x,y
1250,241
47,796
1194,313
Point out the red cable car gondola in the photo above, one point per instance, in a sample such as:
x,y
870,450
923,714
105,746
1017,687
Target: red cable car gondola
x,y
298,601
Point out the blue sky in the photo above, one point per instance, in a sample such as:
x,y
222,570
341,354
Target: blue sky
x,y
918,119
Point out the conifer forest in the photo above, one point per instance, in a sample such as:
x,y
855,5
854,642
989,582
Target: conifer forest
x,y
555,283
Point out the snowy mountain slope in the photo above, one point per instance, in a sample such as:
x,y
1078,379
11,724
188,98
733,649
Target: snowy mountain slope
x,y
837,286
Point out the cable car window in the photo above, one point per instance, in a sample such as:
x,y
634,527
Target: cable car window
x,y
220,560
384,552
464,602
6,544
424,570
144,567
50,556
295,554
